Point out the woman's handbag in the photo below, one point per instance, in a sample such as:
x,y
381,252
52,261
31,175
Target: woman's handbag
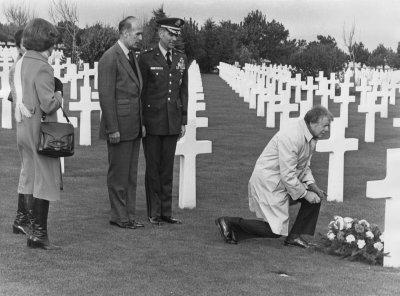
x,y
56,139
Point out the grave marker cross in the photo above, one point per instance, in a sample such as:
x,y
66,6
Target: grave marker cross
x,y
336,145
389,188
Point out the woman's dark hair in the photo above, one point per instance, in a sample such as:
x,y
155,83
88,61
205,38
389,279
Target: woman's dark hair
x,y
18,37
39,35
316,113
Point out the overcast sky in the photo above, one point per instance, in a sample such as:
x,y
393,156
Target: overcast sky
x,y
376,21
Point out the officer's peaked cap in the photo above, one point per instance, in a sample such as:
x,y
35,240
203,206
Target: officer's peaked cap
x,y
173,25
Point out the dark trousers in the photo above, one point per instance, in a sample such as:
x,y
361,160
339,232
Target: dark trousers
x,y
159,152
307,217
122,179
250,228
305,223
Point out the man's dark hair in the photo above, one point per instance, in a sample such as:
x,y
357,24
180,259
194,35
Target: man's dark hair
x,y
316,113
125,24
18,37
39,35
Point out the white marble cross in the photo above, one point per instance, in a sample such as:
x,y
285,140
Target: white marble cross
x,y
389,188
188,147
270,88
296,83
6,106
249,82
308,103
285,107
363,88
88,72
345,99
326,88
336,145
370,107
85,106
72,75
57,67
257,92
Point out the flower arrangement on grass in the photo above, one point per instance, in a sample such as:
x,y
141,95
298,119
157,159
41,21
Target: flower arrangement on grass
x,y
355,240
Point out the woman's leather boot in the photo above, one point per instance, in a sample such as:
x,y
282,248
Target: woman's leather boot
x,y
23,219
39,237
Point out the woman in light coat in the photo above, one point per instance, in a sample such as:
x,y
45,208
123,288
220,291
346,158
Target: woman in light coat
x,y
22,222
35,96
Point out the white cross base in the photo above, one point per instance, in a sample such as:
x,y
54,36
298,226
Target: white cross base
x,y
6,113
389,188
336,145
188,148
6,108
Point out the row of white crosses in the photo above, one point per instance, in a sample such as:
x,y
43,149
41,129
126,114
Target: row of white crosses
x,y
385,74
189,147
262,87
69,73
8,56
371,92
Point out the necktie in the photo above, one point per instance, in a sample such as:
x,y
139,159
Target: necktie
x,y
312,144
168,55
132,62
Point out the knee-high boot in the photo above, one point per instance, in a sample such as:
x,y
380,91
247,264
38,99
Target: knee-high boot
x,y
23,219
39,237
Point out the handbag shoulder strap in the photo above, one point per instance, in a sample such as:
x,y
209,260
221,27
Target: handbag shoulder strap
x,y
65,115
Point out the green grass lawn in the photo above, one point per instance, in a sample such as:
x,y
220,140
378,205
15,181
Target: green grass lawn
x,y
192,259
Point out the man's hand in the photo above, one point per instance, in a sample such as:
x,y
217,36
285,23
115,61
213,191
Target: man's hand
x,y
143,131
312,197
114,138
314,188
183,131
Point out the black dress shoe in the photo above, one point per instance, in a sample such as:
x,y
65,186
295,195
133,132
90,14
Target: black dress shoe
x,y
297,242
170,220
156,221
123,224
136,224
225,231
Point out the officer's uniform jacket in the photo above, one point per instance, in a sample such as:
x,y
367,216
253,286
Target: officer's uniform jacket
x,y
165,91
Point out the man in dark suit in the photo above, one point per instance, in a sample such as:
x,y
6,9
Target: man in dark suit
x,y
164,99
120,84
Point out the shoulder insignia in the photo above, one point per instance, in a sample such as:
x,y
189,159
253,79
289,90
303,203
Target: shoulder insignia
x,y
147,50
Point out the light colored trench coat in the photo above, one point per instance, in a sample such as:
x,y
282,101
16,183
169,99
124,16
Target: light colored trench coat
x,y
40,175
282,171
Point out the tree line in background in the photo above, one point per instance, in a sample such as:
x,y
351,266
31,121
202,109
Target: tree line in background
x,y
254,40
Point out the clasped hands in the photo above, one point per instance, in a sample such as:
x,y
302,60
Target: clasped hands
x,y
314,194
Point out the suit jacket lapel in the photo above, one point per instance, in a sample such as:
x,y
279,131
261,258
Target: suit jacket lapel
x,y
127,66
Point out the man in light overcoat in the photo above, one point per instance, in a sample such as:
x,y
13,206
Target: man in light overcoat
x,y
281,177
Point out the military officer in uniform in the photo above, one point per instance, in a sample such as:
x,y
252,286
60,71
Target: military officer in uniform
x,y
165,99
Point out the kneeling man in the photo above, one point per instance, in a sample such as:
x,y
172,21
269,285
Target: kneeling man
x,y
281,177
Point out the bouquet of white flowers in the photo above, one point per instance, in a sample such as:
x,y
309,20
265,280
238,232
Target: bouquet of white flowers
x,y
355,240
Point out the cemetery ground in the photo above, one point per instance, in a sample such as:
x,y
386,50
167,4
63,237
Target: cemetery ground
x,y
192,259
